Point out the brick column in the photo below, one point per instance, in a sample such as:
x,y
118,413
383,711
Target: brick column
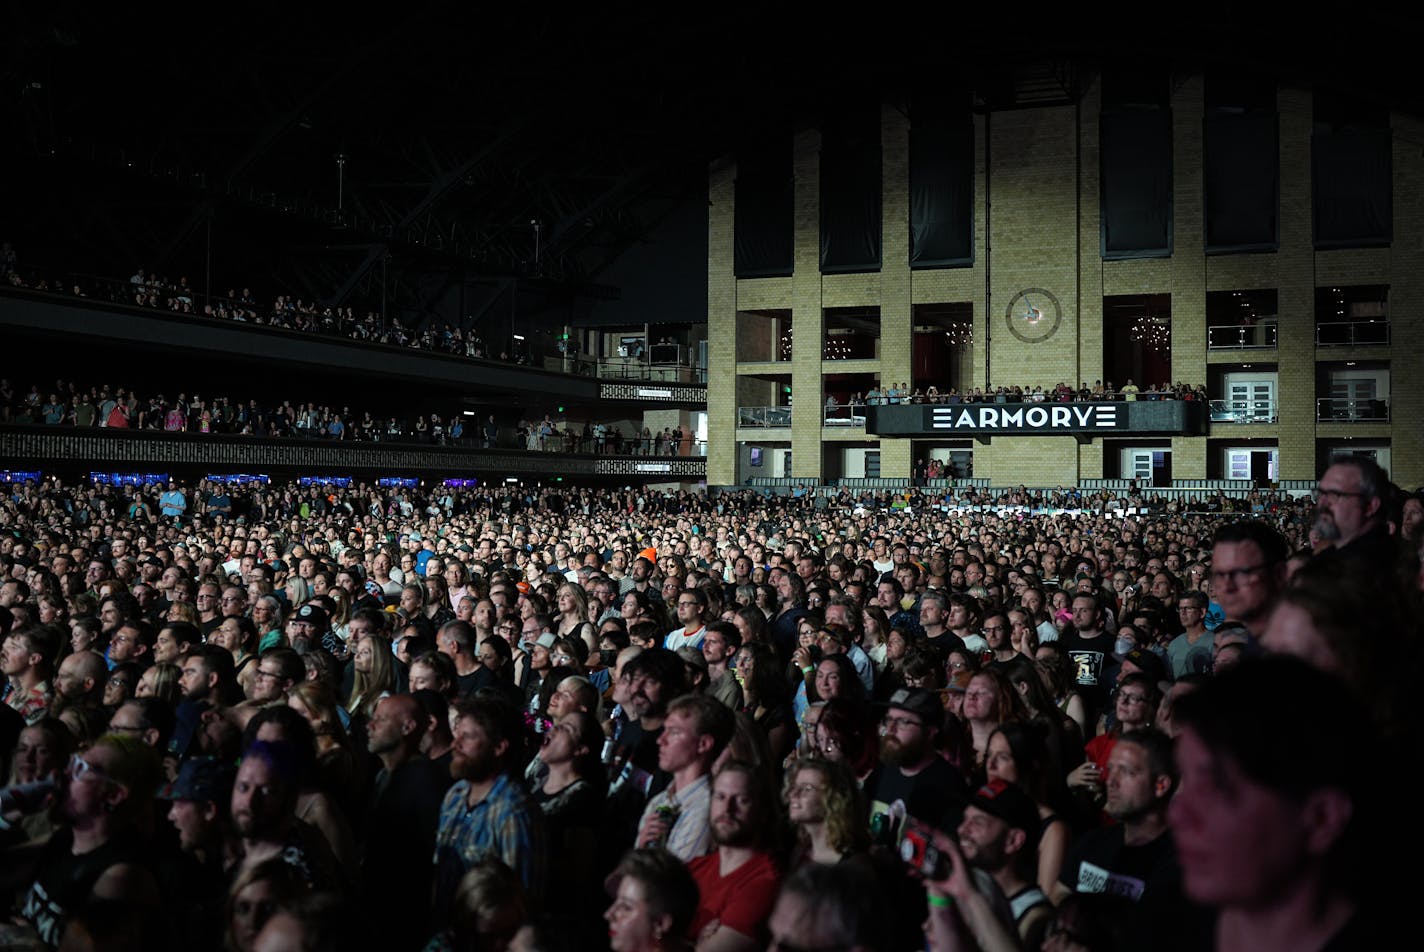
x,y
807,324
721,331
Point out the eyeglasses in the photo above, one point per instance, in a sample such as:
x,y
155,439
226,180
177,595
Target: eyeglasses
x,y
899,722
1236,576
1133,698
79,768
1335,495
274,675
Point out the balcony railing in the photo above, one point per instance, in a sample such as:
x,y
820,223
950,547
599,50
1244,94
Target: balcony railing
x,y
1344,410
1243,411
851,415
1241,336
79,446
1352,334
629,368
764,416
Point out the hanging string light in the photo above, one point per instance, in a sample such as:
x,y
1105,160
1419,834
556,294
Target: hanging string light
x,y
785,344
1152,331
960,333
837,347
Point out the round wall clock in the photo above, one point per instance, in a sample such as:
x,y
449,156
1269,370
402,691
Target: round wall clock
x,y
1034,315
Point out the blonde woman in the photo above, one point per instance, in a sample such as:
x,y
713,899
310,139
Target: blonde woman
x,y
375,678
573,616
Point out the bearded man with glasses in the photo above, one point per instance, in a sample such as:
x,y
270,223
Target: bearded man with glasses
x,y
99,851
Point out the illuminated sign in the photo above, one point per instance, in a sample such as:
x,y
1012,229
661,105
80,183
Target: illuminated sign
x,y
1123,418
1031,416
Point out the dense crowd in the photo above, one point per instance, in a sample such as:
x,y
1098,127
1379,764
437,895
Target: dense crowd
x,y
150,290
68,404
288,717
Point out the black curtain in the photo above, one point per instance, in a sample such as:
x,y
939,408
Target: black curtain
x,y
764,225
942,192
1352,180
1241,184
1135,192
850,192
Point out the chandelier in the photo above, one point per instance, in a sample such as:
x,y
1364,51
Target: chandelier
x,y
1154,332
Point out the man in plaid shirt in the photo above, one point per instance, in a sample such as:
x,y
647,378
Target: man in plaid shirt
x,y
487,813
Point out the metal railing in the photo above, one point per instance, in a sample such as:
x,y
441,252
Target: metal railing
x,y
116,447
366,328
850,415
1348,410
764,416
628,368
1352,333
618,368
1241,336
1243,411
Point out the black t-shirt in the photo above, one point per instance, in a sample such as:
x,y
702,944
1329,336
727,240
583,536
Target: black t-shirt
x,y
1102,862
1147,878
401,822
64,881
946,644
935,795
1091,662
481,677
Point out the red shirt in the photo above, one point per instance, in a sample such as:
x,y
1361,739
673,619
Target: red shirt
x,y
742,901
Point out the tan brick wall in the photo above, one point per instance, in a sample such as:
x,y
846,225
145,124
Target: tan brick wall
x,y
764,294
1354,265
1090,459
1034,239
1295,283
1040,461
1092,274
1189,457
807,323
1045,233
1188,263
895,459
1406,288
721,331
896,334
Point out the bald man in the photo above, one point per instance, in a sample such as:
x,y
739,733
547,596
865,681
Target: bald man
x,y
80,681
403,816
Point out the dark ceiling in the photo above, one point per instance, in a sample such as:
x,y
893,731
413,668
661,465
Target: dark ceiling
x,y
308,149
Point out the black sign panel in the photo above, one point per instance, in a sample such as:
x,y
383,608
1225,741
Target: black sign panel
x,y
1127,418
